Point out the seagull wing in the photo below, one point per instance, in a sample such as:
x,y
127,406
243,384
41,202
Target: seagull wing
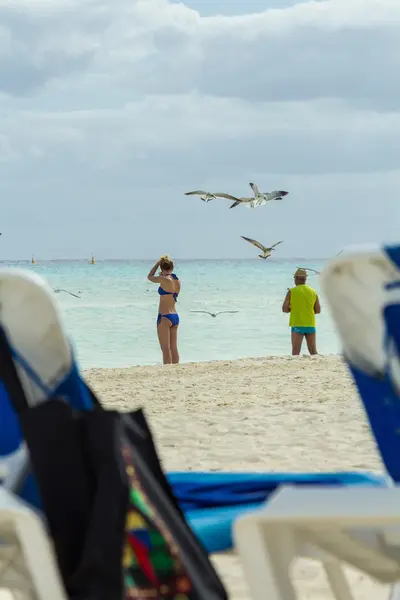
x,y
228,196
277,244
196,192
255,189
308,269
255,243
241,201
201,311
222,312
70,293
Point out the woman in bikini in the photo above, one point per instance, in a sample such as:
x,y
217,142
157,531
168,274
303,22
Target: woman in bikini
x,y
168,319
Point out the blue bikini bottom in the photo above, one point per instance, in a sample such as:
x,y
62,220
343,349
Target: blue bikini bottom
x,y
173,318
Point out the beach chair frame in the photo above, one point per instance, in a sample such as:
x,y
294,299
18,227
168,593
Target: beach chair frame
x,y
357,527
27,560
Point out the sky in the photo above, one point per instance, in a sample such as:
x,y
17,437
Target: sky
x,y
111,109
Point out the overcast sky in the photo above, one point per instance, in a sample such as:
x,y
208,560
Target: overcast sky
x,y
111,109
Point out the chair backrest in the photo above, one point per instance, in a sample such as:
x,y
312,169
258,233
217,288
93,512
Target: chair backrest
x,y
359,286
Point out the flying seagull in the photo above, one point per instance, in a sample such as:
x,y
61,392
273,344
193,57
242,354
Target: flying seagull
x,y
57,291
208,196
222,312
260,198
266,252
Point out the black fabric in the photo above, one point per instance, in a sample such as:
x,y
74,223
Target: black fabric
x,y
8,374
54,436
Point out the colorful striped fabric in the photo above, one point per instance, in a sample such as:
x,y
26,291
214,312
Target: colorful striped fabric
x,y
151,562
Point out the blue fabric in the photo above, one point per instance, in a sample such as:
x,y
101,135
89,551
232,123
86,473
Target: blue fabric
x,y
383,411
163,292
195,490
213,501
75,390
172,317
379,395
393,253
10,432
213,526
303,330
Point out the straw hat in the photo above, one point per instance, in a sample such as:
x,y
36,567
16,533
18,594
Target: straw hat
x,y
301,273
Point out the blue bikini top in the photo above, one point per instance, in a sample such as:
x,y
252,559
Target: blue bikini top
x,y
163,292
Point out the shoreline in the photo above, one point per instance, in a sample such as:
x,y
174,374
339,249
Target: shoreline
x,y
283,357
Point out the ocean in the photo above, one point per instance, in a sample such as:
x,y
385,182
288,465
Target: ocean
x,y
113,324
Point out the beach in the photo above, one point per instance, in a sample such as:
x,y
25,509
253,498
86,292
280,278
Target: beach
x,y
262,414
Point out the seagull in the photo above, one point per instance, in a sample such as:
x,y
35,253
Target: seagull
x,y
208,196
308,269
222,312
260,198
57,291
266,252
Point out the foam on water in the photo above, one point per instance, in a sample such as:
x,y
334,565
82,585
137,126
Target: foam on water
x,y
114,323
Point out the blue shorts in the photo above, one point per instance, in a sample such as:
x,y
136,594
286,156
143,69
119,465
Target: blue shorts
x,y
303,330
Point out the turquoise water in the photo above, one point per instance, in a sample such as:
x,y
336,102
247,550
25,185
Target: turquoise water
x,y
113,324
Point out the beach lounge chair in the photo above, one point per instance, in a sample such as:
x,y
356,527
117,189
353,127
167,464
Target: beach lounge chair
x,y
353,526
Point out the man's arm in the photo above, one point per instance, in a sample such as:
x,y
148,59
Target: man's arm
x,y
317,306
286,303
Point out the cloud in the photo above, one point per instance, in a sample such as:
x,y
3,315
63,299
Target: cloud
x,y
174,138
311,50
129,103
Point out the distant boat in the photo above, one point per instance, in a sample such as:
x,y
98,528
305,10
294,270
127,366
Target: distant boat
x,y
92,262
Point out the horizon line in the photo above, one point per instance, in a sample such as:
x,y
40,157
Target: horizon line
x,y
126,259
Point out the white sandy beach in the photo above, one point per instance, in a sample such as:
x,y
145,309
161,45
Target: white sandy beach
x,y
269,414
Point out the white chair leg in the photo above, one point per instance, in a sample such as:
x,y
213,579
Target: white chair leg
x,y
266,561
39,558
338,580
25,541
395,592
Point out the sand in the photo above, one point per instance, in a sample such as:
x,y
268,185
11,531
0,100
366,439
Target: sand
x,y
269,414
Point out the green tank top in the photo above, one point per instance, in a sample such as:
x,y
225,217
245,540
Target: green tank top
x,y
302,301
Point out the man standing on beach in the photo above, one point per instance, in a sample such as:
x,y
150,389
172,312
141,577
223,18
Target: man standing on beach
x,y
302,303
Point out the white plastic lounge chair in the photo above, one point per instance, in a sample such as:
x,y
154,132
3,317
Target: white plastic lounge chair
x,y
334,526
27,563
342,526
